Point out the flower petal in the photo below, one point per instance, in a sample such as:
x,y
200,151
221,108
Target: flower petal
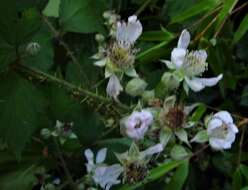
x,y
128,33
224,116
153,150
178,56
114,87
100,63
233,128
194,84
210,81
184,39
101,155
89,155
197,84
169,64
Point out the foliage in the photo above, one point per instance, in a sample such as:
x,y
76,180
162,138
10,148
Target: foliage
x,y
47,54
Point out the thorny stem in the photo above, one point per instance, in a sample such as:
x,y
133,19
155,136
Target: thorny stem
x,y
66,170
142,8
205,16
240,147
73,88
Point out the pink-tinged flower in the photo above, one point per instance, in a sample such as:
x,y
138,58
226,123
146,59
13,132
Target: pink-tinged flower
x,y
137,124
221,130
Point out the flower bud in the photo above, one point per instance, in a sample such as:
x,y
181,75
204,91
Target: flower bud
x,y
33,48
99,38
45,133
170,81
136,87
114,87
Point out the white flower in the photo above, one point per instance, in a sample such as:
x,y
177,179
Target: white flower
x,y
128,33
153,150
221,130
105,176
137,124
100,157
191,64
114,87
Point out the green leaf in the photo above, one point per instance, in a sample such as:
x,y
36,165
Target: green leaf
x,y
179,177
87,124
245,188
198,8
82,16
17,29
243,27
43,60
7,55
198,113
244,171
200,137
164,35
52,8
155,174
21,179
237,180
178,152
228,6
182,135
155,52
22,106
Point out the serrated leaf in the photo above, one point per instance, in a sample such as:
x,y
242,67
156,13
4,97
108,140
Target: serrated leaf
x,y
21,109
52,8
87,124
179,177
82,16
43,60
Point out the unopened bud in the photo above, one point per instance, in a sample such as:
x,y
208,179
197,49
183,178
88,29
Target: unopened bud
x,y
99,38
136,87
45,133
33,48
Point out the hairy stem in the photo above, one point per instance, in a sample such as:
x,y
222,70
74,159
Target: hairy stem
x,y
71,87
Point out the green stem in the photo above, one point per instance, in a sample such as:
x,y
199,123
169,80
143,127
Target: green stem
x,y
73,88
142,8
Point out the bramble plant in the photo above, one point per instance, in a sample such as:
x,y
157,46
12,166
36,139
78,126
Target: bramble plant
x,y
99,94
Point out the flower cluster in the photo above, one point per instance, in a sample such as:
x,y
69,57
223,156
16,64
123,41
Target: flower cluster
x,y
157,125
118,56
162,126
62,131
